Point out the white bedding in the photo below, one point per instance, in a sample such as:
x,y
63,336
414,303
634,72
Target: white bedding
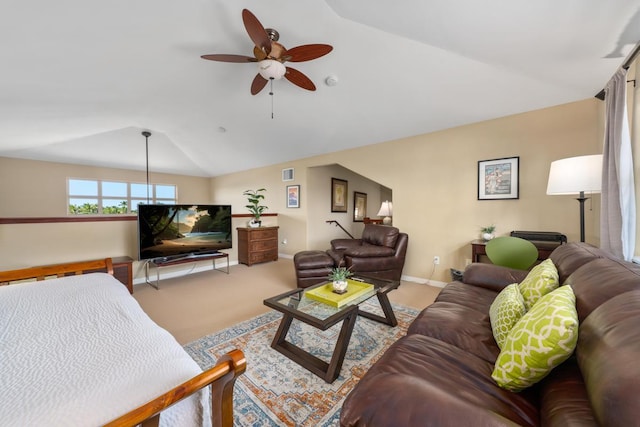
x,y
79,351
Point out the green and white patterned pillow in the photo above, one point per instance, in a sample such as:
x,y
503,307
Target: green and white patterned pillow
x,y
542,279
541,340
505,311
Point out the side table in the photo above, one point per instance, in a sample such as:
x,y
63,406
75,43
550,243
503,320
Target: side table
x,y
123,271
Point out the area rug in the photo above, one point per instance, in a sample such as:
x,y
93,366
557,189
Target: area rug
x,y
275,391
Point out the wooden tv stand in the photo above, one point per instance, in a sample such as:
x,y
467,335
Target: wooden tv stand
x,y
167,262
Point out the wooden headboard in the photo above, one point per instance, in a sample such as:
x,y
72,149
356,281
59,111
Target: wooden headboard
x,y
58,270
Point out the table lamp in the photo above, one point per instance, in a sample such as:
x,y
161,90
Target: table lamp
x,y
576,175
386,210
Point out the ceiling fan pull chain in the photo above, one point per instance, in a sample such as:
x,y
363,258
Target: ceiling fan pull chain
x,y
271,94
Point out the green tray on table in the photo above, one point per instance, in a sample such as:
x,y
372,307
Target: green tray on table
x,y
325,294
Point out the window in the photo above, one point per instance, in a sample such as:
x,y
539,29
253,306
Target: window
x,y
95,197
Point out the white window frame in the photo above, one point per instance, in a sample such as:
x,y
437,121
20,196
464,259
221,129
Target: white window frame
x,y
99,197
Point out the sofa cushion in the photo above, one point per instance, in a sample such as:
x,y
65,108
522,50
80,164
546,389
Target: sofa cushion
x,y
568,258
542,279
505,311
421,380
474,297
607,354
460,326
600,280
564,401
544,338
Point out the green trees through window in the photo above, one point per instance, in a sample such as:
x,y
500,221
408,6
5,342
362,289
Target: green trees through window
x,y
96,197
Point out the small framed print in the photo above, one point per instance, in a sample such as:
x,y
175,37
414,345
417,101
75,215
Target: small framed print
x,y
498,179
359,206
338,195
293,196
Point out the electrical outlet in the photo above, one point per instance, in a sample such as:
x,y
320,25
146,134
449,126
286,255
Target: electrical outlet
x,y
436,260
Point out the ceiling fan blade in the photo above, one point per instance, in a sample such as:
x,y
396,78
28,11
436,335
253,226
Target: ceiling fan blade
x,y
299,79
308,52
258,84
229,58
256,31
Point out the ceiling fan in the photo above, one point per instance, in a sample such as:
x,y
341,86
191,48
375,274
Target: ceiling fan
x,y
271,56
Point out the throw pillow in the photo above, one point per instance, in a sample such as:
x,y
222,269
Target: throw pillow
x,y
542,279
541,340
505,311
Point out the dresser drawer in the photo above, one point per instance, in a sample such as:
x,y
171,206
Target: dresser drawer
x,y
263,245
256,257
263,234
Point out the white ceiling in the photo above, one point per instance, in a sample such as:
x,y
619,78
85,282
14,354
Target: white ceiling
x,y
81,79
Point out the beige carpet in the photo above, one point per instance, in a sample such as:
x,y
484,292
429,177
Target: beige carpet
x,y
199,304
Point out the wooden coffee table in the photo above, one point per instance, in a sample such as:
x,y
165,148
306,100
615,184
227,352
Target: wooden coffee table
x,y
297,305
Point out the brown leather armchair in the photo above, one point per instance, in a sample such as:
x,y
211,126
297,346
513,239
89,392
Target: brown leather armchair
x,y
380,252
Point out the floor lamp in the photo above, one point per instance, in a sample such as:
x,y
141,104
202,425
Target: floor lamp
x,y
576,175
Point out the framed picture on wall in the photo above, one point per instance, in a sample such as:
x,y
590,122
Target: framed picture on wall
x,y
338,195
293,196
498,179
359,206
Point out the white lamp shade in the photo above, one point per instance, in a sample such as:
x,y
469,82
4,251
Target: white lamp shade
x,y
575,174
386,209
271,69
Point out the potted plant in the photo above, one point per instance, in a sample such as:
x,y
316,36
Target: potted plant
x,y
487,232
254,198
339,276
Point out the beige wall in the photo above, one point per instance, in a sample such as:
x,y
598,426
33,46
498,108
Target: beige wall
x,y
433,178
31,188
434,182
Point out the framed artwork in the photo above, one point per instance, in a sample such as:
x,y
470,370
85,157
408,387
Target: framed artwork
x,y
338,195
293,196
359,206
498,179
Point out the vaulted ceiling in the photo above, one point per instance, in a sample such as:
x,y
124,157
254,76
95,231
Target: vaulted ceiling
x,y
81,79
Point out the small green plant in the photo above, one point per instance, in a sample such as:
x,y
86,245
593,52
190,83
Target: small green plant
x,y
339,274
254,198
489,229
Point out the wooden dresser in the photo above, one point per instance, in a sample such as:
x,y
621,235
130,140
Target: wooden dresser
x,y
257,245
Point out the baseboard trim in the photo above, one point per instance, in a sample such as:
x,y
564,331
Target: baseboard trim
x,y
422,281
183,272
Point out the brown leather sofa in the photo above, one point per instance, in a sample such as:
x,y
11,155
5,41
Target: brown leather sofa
x,y
380,252
439,374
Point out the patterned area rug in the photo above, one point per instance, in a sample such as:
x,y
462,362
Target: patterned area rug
x,y
275,391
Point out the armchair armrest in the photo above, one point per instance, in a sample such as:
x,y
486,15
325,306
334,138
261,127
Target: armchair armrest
x,y
342,244
369,251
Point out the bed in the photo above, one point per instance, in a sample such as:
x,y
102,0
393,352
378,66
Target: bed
x,y
77,349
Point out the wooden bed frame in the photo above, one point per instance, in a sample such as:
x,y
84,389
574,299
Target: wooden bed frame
x,y
221,377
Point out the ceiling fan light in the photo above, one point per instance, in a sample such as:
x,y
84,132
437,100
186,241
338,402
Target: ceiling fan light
x,y
271,69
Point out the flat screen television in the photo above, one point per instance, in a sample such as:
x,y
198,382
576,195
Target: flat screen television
x,y
176,231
